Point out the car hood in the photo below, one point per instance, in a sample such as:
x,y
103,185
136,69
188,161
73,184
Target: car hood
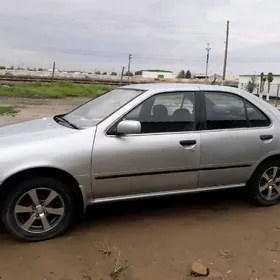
x,y
32,130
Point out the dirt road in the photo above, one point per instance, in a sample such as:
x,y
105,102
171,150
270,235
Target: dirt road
x,y
159,238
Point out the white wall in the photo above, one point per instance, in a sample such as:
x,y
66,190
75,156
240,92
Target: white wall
x,y
65,75
243,80
57,74
39,73
154,75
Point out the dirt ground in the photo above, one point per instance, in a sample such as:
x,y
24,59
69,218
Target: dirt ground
x,y
156,238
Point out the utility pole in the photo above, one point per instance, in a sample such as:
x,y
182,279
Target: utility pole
x,y
53,71
128,68
277,97
207,60
122,76
226,53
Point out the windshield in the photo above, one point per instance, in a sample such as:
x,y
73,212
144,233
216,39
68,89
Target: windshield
x,y
99,108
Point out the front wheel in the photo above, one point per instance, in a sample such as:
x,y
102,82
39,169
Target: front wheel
x,y
38,209
264,186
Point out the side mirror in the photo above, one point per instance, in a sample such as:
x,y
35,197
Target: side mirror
x,y
128,127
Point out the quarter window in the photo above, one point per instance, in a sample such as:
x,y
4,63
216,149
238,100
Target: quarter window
x,y
224,111
256,117
165,112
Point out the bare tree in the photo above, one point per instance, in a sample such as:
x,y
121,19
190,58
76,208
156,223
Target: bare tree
x,y
251,84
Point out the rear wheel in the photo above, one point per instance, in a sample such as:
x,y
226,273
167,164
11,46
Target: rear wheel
x,y
38,209
264,186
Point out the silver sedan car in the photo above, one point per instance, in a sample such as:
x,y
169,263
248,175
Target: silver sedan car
x,y
135,142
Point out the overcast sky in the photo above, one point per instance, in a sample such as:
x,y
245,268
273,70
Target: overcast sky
x,y
167,34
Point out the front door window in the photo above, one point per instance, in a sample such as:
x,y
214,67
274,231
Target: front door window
x,y
166,112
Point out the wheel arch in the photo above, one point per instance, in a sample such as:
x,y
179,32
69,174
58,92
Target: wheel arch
x,y
263,161
52,172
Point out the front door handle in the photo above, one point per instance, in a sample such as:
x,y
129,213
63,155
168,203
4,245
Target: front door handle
x,y
187,142
266,137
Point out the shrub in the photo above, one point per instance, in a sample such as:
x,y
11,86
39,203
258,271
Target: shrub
x,y
251,84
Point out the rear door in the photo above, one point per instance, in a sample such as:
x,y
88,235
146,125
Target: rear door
x,y
236,135
163,157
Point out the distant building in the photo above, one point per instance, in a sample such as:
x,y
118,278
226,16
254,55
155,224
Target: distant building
x,y
216,77
199,76
154,74
74,72
232,78
50,70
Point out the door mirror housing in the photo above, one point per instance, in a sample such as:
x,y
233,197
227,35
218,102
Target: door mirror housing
x,y
128,127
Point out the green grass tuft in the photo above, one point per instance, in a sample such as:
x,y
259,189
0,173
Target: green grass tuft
x,y
55,90
7,110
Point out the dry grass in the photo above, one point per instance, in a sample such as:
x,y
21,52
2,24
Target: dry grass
x,y
119,268
104,249
226,255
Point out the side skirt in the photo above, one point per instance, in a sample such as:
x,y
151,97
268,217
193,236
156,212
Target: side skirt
x,y
164,193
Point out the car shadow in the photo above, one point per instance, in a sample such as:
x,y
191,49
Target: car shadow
x,y
191,204
164,207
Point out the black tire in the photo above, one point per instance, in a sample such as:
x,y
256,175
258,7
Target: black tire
x,y
253,185
19,190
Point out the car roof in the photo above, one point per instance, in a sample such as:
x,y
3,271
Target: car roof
x,y
180,86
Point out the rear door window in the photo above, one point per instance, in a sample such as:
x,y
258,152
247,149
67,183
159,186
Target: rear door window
x,y
225,111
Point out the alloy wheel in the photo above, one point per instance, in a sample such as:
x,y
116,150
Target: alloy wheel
x,y
39,210
269,185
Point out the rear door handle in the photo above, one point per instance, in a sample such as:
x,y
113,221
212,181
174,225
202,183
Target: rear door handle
x,y
266,137
187,142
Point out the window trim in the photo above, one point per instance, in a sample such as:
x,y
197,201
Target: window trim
x,y
249,127
197,118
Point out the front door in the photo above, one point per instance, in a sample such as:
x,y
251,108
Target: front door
x,y
163,157
232,140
